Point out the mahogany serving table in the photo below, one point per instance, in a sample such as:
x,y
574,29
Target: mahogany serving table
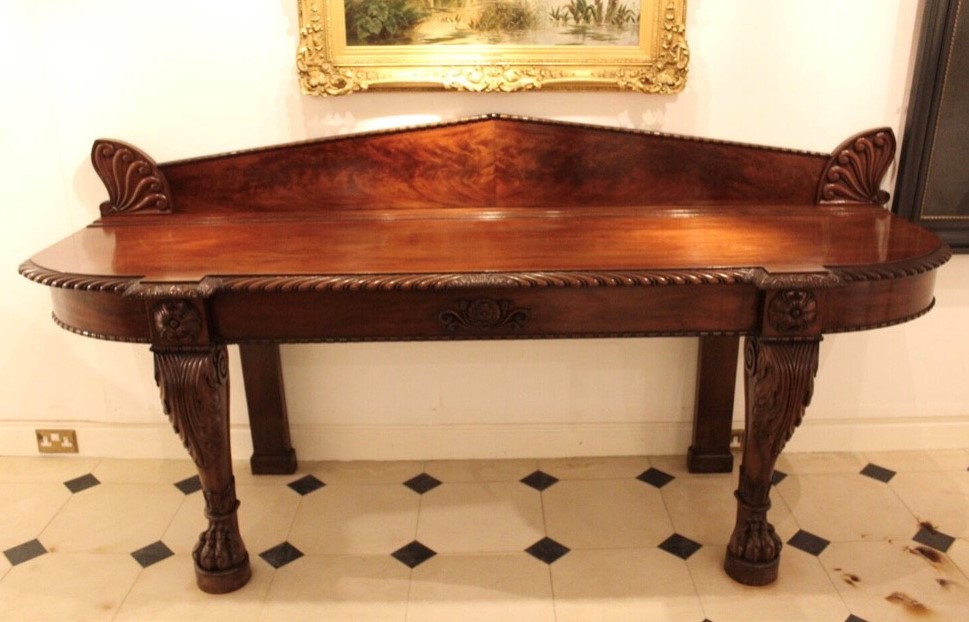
x,y
491,228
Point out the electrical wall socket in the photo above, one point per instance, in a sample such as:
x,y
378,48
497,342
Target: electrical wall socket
x,y
736,439
56,441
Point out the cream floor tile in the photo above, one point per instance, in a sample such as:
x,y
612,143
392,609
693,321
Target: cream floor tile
x,y
67,586
935,460
803,591
846,507
365,472
604,514
482,517
893,581
676,466
113,518
810,463
505,587
621,585
959,553
243,474
166,592
480,470
355,519
704,509
941,498
4,566
618,467
143,471
44,469
339,588
27,509
266,514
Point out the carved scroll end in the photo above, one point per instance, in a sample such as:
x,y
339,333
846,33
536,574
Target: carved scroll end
x,y
854,172
132,178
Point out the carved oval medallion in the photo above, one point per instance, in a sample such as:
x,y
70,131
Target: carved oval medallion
x,y
484,314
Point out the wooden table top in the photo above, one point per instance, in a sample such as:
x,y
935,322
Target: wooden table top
x,y
179,248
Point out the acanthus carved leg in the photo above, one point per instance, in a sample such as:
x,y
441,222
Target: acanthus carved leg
x,y
779,381
194,384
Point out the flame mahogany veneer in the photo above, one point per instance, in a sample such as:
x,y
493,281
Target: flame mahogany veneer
x,y
491,228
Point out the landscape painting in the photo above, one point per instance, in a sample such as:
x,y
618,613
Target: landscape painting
x,y
492,46
517,22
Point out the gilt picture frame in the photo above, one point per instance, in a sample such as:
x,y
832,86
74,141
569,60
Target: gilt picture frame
x,y
348,46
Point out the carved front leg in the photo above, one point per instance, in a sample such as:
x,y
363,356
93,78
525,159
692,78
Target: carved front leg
x,y
194,384
779,380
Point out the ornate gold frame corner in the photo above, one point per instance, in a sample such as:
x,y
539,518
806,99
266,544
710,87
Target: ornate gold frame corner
x,y
327,65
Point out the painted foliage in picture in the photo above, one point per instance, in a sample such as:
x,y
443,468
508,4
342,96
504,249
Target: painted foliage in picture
x,y
517,22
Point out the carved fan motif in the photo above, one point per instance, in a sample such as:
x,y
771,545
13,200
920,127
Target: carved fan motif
x,y
855,170
133,180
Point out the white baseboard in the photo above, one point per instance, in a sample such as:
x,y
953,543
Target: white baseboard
x,y
410,442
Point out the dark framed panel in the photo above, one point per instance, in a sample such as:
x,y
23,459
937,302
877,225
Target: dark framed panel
x,y
933,182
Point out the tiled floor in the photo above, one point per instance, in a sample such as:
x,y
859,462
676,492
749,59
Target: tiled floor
x,y
876,537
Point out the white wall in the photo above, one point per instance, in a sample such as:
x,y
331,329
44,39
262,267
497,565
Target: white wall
x,y
184,78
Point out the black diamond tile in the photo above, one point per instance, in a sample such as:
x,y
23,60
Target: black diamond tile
x,y
306,485
655,477
422,483
81,483
681,546
413,555
547,550
24,552
539,480
934,538
152,554
189,485
777,477
808,542
876,472
281,554
854,618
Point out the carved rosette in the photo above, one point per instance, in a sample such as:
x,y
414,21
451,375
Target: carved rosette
x,y
792,311
484,314
133,180
176,322
855,170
